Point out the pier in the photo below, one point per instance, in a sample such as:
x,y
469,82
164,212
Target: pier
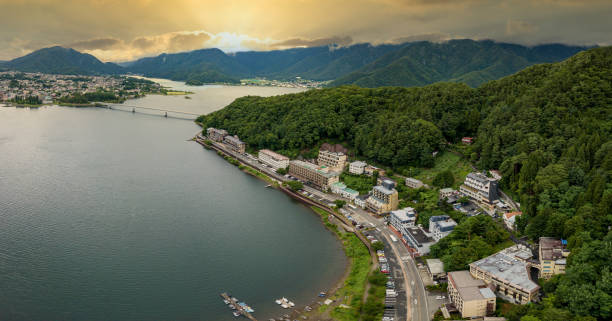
x,y
234,303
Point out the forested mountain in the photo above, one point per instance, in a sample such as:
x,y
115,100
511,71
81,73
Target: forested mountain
x,y
547,128
468,61
59,60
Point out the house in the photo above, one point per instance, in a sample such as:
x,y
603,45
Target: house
x,y
414,183
383,198
435,269
510,219
440,226
272,159
357,167
471,296
508,272
319,176
369,170
400,219
552,255
467,140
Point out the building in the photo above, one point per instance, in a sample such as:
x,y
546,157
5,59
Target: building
x,y
480,188
384,198
417,240
318,176
508,272
510,219
440,226
447,193
414,183
361,200
340,188
273,159
435,269
357,167
552,255
335,161
369,170
467,140
235,144
403,218
215,134
471,296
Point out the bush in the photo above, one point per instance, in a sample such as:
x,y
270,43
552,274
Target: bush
x,y
294,185
444,179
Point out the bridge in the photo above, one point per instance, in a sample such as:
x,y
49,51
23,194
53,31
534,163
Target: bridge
x,y
163,111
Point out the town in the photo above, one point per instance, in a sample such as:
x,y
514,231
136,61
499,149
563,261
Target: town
x,y
507,274
45,89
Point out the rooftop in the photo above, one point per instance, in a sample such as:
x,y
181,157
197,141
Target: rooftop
x,y
435,266
274,155
469,288
405,214
359,164
418,234
311,166
383,190
551,248
508,269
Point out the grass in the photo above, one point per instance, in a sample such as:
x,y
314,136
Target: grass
x,y
258,174
447,161
355,283
361,183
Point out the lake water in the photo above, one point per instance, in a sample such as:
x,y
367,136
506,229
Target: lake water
x,y
107,215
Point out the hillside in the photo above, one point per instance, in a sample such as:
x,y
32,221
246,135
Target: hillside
x,y
59,60
468,61
548,129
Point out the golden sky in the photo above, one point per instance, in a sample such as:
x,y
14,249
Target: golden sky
x,y
121,30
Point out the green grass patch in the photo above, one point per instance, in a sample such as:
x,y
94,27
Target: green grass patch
x,y
361,183
459,166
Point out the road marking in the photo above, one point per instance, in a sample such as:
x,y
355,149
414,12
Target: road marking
x,y
405,258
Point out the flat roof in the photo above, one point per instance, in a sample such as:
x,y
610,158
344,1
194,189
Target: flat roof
x,y
274,155
469,288
508,269
418,234
405,214
383,190
359,163
435,266
314,168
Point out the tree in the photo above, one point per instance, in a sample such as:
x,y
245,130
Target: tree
x,y
339,203
444,179
281,171
294,185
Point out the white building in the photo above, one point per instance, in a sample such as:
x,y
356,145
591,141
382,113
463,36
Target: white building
x,y
273,159
440,226
357,167
403,218
361,200
414,183
480,188
510,219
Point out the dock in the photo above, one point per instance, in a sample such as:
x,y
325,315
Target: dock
x,y
239,308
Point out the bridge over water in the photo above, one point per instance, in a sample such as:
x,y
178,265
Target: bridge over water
x,y
161,111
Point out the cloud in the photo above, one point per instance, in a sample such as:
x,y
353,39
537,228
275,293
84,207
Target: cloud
x,y
299,42
433,37
518,27
93,44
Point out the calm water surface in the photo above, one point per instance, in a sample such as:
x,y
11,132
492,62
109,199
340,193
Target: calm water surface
x,y
107,215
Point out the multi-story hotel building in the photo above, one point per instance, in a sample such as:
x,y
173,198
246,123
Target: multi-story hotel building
x,y
215,134
318,176
384,198
480,188
273,159
235,144
471,296
440,226
403,218
508,272
334,161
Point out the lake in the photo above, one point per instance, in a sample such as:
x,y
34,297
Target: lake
x,y
108,215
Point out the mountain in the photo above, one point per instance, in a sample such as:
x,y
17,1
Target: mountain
x,y
316,63
59,60
468,61
548,129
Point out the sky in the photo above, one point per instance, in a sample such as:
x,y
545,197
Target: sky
x,y
123,30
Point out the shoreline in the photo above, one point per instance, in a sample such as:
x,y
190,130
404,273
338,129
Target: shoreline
x,y
299,310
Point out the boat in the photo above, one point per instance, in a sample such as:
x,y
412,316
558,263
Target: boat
x,y
226,301
291,304
322,294
269,185
278,301
236,314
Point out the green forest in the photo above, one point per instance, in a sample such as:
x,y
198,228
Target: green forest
x,y
546,128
